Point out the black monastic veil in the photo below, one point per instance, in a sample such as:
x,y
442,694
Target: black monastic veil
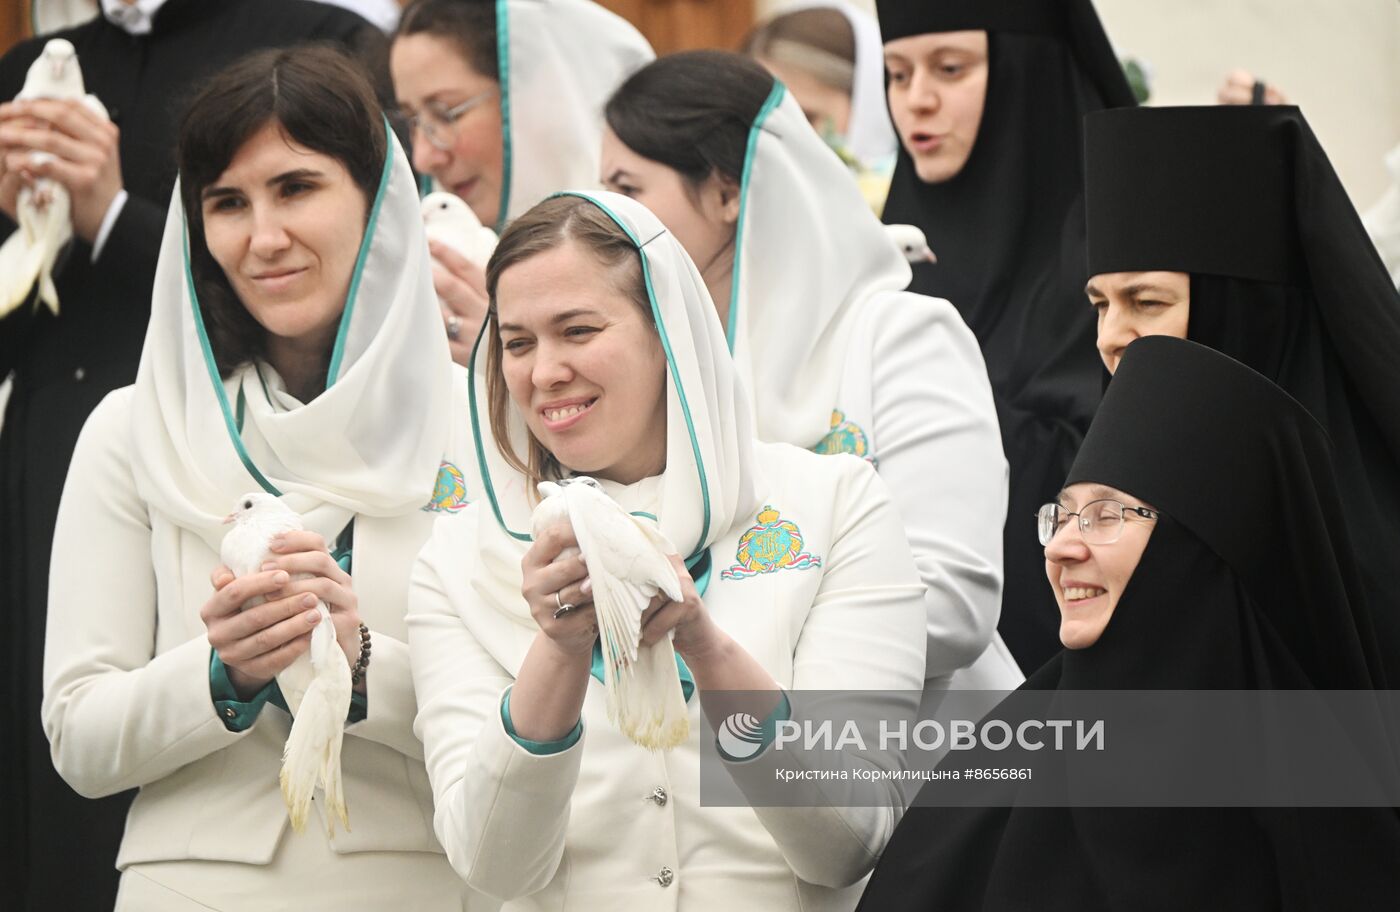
x,y
1008,233
1247,583
1283,279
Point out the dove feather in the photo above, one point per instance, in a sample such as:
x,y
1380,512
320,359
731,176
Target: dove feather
x,y
43,209
316,685
628,564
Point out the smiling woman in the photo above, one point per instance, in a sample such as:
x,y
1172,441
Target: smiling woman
x,y
295,346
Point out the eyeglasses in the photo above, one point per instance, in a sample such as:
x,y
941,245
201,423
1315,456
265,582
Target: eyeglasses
x,y
438,124
1100,521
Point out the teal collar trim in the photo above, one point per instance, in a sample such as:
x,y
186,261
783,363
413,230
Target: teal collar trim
x,y
775,97
687,679
338,353
213,370
503,78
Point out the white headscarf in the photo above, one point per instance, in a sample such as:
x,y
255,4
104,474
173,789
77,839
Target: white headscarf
x,y
808,253
559,62
869,133
370,444
710,480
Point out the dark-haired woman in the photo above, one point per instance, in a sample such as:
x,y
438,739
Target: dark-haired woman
x,y
502,131
988,100
295,348
837,356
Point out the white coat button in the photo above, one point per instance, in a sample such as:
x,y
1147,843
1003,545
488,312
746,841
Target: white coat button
x,y
658,795
665,877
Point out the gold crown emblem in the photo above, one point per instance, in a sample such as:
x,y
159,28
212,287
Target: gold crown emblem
x,y
769,515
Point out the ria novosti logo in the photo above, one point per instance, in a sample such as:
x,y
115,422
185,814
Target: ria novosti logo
x,y
740,737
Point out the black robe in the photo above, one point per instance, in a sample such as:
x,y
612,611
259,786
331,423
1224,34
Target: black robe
x,y
1009,235
58,848
1247,583
1283,278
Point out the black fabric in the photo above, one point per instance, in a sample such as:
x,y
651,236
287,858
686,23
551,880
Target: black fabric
x,y
59,848
1283,279
1008,231
1246,583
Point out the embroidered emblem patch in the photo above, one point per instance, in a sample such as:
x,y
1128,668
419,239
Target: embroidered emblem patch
x,y
844,437
450,492
773,544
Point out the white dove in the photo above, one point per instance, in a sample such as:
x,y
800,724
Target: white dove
x,y
316,685
628,565
44,210
448,220
911,242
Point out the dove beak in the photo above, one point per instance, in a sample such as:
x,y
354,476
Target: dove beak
x,y
230,518
929,256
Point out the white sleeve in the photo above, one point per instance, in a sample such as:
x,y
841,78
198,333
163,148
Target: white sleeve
x,y
939,450
389,698
117,716
500,811
862,633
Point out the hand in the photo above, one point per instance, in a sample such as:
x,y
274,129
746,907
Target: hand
x,y
87,161
12,160
299,553
573,632
461,288
1238,89
696,634
255,645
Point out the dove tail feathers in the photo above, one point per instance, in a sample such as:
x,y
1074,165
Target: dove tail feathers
x,y
312,756
650,705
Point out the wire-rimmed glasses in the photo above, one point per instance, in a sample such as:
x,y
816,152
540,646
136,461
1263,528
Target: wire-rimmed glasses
x,y
1100,522
438,124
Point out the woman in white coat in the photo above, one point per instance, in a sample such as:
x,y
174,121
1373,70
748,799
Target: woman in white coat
x,y
294,347
604,356
838,357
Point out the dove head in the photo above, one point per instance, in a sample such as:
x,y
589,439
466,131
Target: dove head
x,y
582,480
439,205
911,243
256,505
549,488
58,53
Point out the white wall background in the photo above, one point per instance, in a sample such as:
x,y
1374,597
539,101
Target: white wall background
x,y
1339,60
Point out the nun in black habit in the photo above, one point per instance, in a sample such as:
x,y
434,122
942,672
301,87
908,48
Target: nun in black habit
x,y
1246,583
1282,277
1008,232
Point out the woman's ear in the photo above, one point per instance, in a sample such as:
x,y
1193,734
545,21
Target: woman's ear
x,y
729,198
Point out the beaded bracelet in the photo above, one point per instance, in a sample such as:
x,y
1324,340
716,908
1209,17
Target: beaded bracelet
x,y
357,673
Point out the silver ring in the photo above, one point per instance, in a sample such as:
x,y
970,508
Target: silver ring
x,y
454,327
564,607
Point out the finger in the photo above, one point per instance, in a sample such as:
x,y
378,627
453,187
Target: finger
x,y
317,563
269,614
269,664
266,639
464,269
556,577
327,590
452,292
51,141
220,577
231,598
569,623
67,173
662,622
297,540
548,545
572,594
74,118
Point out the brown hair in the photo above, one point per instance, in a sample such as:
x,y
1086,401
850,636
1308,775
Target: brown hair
x,y
469,26
825,31
319,97
548,226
